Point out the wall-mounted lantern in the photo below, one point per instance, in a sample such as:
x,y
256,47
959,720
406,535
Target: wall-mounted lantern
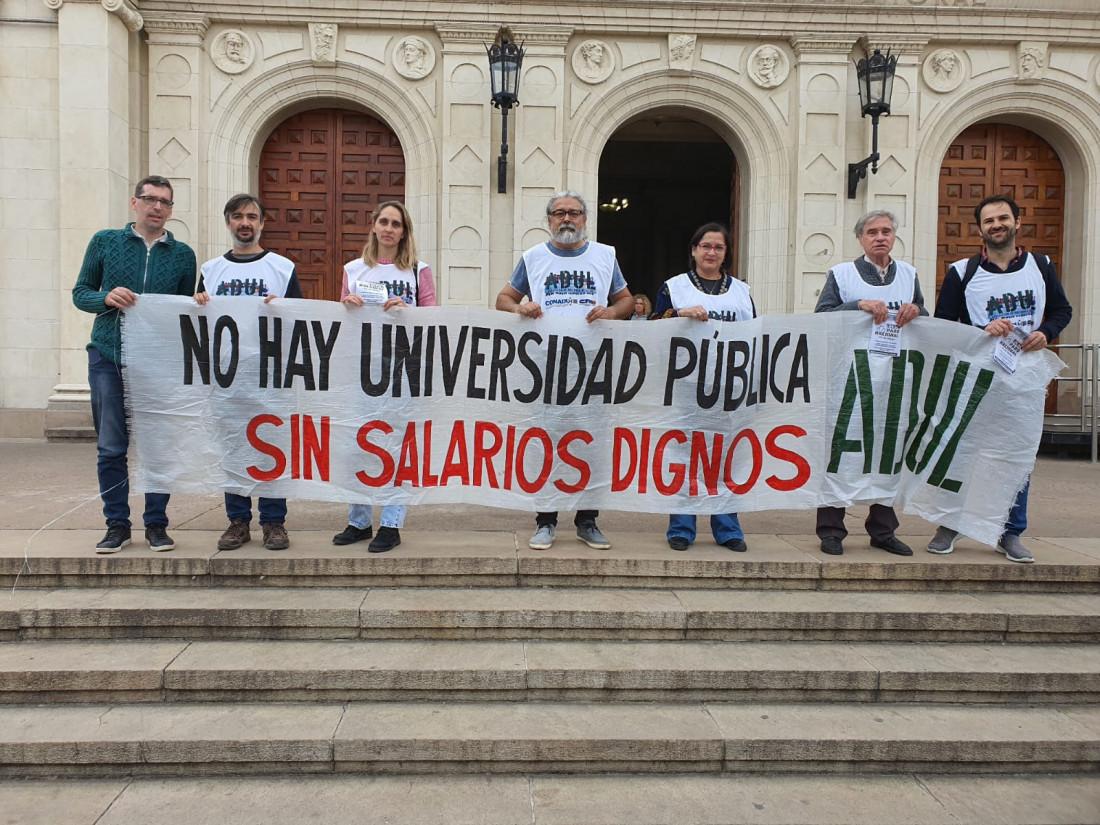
x,y
875,78
505,60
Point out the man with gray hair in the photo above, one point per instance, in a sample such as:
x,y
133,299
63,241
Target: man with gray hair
x,y
572,276
877,284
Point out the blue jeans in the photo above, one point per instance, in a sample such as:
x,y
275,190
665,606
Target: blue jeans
x,y
109,417
724,527
239,508
1017,516
393,515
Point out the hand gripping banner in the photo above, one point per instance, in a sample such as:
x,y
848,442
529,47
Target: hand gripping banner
x,y
313,400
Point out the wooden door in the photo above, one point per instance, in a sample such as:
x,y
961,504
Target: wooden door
x,y
995,158
322,172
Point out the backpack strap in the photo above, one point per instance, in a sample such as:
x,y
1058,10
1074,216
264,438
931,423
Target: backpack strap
x,y
971,269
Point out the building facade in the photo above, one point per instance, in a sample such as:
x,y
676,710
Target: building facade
x,y
745,112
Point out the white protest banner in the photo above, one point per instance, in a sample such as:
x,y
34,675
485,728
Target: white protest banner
x,y
314,400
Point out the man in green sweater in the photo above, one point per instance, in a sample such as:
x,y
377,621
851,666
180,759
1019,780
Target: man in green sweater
x,y
120,265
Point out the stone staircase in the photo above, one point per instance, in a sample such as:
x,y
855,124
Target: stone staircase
x,y
467,679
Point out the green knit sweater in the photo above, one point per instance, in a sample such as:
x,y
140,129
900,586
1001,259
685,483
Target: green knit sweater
x,y
118,257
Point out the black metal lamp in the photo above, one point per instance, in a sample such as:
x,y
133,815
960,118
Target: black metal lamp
x,y
875,78
505,60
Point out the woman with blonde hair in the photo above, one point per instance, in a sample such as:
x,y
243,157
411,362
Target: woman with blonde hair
x,y
390,274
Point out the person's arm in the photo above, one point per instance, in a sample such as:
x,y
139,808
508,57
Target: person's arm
x,y
293,287
951,302
201,295
830,299
620,305
664,308
511,297
1058,310
426,282
88,293
918,297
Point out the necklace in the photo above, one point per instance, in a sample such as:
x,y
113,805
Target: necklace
x,y
708,286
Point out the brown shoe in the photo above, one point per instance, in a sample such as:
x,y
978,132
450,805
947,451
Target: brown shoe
x,y
235,535
275,537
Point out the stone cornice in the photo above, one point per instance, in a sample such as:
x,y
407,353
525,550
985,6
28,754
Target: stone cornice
x,y
120,8
802,45
466,33
896,45
543,35
181,28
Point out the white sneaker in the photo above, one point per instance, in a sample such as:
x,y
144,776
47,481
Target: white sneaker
x,y
543,538
943,542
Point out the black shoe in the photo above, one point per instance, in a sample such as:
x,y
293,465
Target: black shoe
x,y
736,545
118,536
351,535
893,545
832,546
157,538
679,543
387,539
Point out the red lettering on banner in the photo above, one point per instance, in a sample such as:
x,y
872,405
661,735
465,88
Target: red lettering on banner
x,y
757,463
623,437
547,459
457,463
315,447
408,467
509,455
678,470
643,462
382,455
483,455
295,446
577,463
802,466
710,466
269,450
429,479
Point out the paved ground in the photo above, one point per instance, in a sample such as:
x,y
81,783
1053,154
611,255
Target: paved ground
x,y
54,484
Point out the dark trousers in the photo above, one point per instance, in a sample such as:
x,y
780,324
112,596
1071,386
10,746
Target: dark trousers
x,y
582,517
881,522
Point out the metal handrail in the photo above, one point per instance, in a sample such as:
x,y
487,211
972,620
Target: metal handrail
x,y
1086,420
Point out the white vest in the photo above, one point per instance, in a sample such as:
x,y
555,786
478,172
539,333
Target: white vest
x,y
853,288
570,285
269,275
1020,297
733,305
398,283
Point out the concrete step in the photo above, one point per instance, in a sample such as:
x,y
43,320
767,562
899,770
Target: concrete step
x,y
537,737
551,613
539,671
925,799
497,558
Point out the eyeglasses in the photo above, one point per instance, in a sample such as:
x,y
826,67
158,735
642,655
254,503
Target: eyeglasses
x,y
558,214
153,200
710,247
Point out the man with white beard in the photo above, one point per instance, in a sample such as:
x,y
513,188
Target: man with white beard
x,y
573,276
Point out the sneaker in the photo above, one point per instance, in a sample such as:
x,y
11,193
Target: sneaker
x,y
235,535
543,538
275,537
1012,548
387,539
736,545
352,534
679,543
943,542
832,546
156,536
590,534
893,545
118,536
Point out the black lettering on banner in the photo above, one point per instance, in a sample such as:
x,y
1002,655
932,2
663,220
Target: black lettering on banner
x,y
531,366
271,352
504,354
477,359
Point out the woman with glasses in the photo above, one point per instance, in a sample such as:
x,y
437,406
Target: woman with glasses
x,y
388,274
707,291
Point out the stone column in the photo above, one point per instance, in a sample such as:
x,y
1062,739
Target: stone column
x,y
94,154
175,94
468,160
536,153
819,212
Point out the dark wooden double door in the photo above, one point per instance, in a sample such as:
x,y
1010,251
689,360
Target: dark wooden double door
x,y
322,173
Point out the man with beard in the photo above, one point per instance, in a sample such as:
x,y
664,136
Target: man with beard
x,y
249,270
1000,289
572,276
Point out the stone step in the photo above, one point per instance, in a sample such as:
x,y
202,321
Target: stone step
x,y
540,671
925,799
497,558
547,613
537,737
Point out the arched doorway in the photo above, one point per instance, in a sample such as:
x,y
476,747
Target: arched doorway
x,y
996,158
676,174
321,174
